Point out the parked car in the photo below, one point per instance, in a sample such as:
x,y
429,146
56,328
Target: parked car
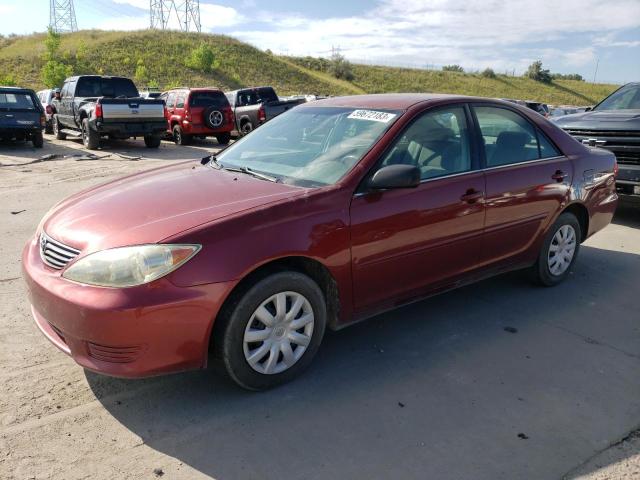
x,y
254,106
46,99
150,92
21,116
330,213
562,111
614,125
198,112
91,107
539,107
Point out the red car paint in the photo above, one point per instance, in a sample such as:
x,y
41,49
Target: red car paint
x,y
465,227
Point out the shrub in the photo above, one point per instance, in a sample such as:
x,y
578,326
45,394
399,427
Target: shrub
x,y
488,73
568,76
7,81
537,73
54,73
340,67
202,58
142,75
453,68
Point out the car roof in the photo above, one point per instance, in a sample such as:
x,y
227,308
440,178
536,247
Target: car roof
x,y
392,101
195,89
17,89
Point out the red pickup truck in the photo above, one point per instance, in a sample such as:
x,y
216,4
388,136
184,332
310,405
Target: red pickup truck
x,y
198,112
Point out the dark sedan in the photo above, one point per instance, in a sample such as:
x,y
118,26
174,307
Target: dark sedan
x,y
328,214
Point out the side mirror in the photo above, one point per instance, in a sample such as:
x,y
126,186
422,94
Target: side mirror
x,y
395,176
588,109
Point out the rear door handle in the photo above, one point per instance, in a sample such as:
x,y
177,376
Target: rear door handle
x,y
472,196
559,176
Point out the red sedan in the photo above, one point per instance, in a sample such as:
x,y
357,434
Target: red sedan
x,y
330,213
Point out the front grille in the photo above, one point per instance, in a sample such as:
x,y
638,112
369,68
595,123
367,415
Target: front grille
x,y
55,254
114,354
625,144
604,133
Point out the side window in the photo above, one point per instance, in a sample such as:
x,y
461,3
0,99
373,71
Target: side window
x,y
508,138
171,100
180,101
547,150
64,90
437,143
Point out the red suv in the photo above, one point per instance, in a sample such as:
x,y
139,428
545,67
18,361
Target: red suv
x,y
198,112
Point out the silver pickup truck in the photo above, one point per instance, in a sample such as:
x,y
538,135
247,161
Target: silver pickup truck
x,y
91,107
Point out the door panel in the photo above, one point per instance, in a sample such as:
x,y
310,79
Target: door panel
x,y
405,241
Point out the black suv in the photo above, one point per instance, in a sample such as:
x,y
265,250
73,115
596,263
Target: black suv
x,y
21,115
613,124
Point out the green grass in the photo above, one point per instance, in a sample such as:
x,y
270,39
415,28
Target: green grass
x,y
238,65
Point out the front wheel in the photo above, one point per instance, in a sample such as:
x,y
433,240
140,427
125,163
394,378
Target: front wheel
x,y
272,333
559,251
56,128
152,141
179,137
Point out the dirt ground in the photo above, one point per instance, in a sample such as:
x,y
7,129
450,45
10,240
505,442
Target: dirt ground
x,y
496,380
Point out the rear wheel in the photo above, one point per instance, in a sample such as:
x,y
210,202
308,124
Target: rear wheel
x,y
271,334
48,127
179,137
246,127
90,138
152,141
223,138
56,128
37,139
559,251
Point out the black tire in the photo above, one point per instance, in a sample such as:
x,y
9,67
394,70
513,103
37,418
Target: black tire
x,y
179,137
56,128
218,118
229,334
223,138
246,127
152,141
541,272
48,127
37,139
90,138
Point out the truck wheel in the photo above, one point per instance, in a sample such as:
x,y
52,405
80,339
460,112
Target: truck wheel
x,y
48,127
180,138
56,128
272,332
37,139
90,139
152,141
246,127
223,138
559,251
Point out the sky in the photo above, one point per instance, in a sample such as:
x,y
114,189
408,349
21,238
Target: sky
x,y
568,36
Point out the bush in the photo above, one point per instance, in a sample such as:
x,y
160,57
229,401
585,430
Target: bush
x,y
537,73
142,75
54,73
340,67
488,73
202,58
7,81
453,68
569,76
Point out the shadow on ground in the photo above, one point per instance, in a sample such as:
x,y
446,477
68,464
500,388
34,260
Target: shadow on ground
x,y
438,389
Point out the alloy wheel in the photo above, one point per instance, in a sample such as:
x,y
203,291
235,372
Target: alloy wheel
x,y
278,333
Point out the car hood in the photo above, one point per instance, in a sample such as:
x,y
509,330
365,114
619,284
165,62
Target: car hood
x,y
601,120
154,205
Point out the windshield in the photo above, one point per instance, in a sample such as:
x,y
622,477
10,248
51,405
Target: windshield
x,y
16,101
310,146
626,98
106,87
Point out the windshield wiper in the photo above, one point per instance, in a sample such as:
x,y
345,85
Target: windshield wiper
x,y
212,160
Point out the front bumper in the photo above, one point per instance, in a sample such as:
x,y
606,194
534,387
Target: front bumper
x,y
131,332
128,129
628,180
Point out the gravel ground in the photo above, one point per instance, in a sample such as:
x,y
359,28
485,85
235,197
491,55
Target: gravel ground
x,y
496,380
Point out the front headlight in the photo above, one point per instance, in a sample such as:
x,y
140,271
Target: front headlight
x,y
129,266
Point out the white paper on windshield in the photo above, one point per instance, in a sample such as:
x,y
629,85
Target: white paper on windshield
x,y
383,117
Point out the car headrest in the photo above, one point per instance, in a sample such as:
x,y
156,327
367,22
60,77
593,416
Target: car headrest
x,y
512,140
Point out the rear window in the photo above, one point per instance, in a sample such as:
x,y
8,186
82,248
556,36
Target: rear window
x,y
267,95
208,99
16,101
106,87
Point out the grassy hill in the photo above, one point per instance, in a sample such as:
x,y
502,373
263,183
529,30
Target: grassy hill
x,y
237,64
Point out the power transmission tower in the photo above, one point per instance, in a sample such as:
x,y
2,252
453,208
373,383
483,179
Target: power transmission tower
x,y
62,16
164,14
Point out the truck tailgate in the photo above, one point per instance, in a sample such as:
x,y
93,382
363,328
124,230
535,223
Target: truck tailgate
x,y
132,110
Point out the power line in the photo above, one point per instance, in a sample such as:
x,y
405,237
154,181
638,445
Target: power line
x,y
164,14
62,16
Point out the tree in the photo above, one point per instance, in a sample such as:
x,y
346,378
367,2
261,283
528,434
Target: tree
x,y
537,73
453,68
568,76
340,67
51,44
54,70
202,58
488,73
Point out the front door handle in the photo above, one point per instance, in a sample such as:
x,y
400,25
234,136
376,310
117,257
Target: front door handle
x,y
472,196
559,176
